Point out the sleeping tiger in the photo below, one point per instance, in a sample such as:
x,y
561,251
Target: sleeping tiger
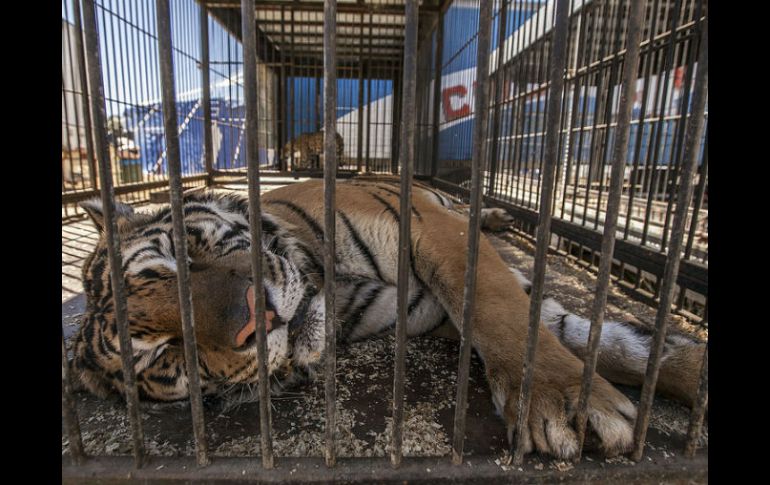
x,y
367,231
308,150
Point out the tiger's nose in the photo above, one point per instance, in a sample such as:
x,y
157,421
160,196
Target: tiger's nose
x,y
250,328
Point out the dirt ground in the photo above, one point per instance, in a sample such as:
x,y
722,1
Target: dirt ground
x,y
364,389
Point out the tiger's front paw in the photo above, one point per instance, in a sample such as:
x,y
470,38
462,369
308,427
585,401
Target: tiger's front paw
x,y
550,426
495,219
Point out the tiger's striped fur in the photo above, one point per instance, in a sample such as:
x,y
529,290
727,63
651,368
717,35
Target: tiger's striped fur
x,y
366,266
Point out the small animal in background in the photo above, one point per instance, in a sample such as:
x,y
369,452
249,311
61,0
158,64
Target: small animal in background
x,y
308,149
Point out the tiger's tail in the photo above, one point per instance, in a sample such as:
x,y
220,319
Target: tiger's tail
x,y
624,348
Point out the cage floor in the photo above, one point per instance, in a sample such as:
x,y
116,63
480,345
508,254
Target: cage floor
x,y
364,390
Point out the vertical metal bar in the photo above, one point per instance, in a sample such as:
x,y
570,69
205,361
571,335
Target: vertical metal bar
x,y
699,409
90,153
556,76
606,131
595,147
69,411
704,171
330,174
408,106
249,27
437,93
577,56
168,94
537,135
369,100
360,120
282,103
292,91
318,100
694,132
474,226
396,119
655,152
500,80
208,144
98,115
513,106
76,113
630,68
678,142
640,126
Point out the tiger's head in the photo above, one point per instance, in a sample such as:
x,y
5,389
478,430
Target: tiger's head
x,y
218,244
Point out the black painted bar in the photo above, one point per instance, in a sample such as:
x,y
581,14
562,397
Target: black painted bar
x,y
409,108
168,93
249,27
99,118
556,76
474,225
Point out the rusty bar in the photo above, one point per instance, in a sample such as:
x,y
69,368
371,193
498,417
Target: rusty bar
x,y
330,174
699,409
249,28
694,132
99,118
626,104
208,144
170,127
69,410
408,106
556,75
474,225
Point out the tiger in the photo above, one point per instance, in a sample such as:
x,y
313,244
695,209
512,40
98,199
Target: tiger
x,y
367,232
308,150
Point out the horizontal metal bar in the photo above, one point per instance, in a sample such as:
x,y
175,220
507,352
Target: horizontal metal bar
x,y
352,35
222,174
79,196
117,470
271,5
319,23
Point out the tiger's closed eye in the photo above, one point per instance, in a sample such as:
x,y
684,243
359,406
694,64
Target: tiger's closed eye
x,y
195,266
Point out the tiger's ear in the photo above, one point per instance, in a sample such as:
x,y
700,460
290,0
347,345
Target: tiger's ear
x,y
94,209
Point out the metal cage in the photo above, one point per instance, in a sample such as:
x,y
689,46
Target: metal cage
x,y
586,120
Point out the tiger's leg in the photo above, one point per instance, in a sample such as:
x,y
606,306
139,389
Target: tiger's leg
x,y
367,307
500,326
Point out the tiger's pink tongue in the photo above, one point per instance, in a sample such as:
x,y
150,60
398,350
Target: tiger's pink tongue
x,y
251,325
